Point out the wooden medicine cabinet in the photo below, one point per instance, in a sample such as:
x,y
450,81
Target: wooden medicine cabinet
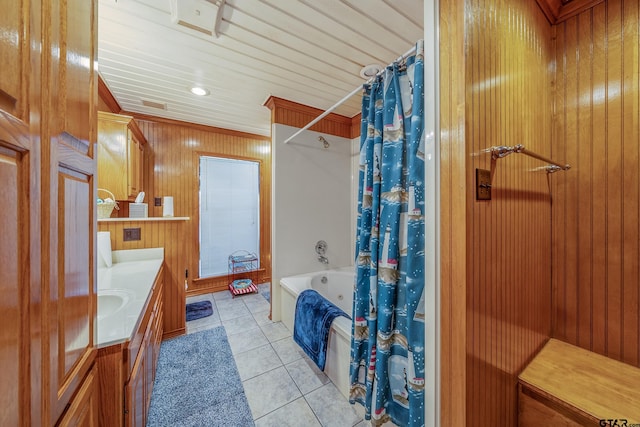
x,y
120,155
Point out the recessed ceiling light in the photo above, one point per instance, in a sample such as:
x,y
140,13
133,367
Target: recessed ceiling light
x,y
200,91
370,70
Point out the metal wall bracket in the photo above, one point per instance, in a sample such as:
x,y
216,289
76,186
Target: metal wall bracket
x,y
483,184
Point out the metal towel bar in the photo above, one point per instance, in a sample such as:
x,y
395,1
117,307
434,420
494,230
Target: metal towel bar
x,y
503,151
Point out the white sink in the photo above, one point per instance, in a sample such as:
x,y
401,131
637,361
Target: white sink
x,y
111,301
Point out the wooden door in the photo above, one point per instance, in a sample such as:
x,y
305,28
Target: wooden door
x,y
19,253
20,156
70,199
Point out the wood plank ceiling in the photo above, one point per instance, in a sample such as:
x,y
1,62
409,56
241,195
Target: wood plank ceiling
x,y
307,51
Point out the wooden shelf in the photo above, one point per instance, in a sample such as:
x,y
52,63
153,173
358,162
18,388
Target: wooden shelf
x,y
579,387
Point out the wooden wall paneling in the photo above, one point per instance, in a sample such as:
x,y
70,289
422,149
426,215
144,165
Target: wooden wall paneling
x,y
453,225
614,188
169,235
583,199
595,215
575,7
172,170
598,172
630,84
176,149
508,101
298,115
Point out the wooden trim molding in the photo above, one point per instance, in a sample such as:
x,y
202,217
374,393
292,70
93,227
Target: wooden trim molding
x,y
196,126
575,8
355,125
558,11
550,8
107,97
298,115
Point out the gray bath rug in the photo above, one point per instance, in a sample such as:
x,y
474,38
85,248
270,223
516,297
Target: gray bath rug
x,y
197,383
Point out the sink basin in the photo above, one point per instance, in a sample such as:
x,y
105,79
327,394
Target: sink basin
x,y
110,302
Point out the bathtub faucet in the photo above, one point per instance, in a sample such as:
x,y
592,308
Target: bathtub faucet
x,y
321,249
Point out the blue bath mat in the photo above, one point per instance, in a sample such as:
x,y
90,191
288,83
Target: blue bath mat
x,y
264,290
198,310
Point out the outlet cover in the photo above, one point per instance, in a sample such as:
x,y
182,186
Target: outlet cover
x,y
157,201
131,234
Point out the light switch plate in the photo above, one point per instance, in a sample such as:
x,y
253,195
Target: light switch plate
x,y
157,201
483,184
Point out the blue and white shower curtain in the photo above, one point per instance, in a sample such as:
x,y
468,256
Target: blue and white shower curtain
x,y
387,346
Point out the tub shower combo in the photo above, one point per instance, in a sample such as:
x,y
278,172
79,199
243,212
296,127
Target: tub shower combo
x,y
337,287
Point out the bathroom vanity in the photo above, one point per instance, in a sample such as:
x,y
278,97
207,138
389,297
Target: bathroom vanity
x,y
129,333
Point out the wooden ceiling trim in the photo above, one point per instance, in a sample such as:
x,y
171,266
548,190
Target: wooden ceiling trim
x,y
575,8
107,97
558,11
550,8
355,125
298,115
196,126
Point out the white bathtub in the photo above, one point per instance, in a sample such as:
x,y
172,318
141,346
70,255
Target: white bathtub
x,y
339,290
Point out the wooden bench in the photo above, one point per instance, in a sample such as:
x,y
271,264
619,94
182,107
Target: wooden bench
x,y
566,385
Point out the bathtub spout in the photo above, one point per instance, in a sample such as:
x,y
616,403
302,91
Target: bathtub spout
x,y
323,259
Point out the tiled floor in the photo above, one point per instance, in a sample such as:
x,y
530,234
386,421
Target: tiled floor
x,y
283,386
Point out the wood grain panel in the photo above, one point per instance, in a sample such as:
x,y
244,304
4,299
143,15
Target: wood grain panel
x,y
14,57
453,197
595,222
558,11
171,169
174,153
106,101
298,115
584,383
69,215
169,235
13,306
509,53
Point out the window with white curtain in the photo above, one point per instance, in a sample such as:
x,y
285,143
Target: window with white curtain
x,y
229,211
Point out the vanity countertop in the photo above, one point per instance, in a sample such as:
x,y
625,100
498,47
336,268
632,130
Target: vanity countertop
x,y
129,279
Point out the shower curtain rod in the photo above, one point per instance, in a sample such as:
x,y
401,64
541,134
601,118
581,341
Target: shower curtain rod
x,y
337,104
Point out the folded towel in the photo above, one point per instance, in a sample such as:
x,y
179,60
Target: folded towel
x,y
313,317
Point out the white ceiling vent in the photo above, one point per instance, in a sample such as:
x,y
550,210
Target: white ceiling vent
x,y
199,15
153,104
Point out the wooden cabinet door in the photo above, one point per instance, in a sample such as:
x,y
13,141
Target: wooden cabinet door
x,y
120,155
133,166
83,411
112,155
69,198
135,392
